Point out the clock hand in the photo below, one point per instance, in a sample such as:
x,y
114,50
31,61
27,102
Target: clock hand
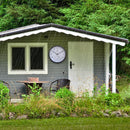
x,y
54,52
60,52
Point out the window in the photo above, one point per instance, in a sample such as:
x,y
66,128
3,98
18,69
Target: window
x,y
36,60
18,58
27,58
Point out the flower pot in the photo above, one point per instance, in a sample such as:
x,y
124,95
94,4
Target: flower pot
x,y
33,79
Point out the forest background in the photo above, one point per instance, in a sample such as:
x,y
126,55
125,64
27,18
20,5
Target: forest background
x,y
110,17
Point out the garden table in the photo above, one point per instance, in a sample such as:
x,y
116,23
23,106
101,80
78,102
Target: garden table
x,y
26,82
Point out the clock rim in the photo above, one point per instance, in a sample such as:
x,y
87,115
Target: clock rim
x,y
64,51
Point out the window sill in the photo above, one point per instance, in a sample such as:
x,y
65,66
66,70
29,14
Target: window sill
x,y
17,72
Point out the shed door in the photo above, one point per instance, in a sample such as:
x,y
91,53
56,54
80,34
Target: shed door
x,y
80,55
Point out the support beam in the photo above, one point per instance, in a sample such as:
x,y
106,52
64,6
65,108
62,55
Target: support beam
x,y
113,68
107,56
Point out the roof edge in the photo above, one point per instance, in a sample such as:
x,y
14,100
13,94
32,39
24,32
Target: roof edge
x,y
66,28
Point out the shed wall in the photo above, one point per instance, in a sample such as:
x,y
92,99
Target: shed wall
x,y
55,71
99,70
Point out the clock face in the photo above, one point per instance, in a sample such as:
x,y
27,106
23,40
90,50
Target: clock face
x,y
57,54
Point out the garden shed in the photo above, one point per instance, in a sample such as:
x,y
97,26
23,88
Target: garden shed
x,y
51,51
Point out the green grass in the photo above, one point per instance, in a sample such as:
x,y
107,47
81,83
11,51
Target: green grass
x,y
68,123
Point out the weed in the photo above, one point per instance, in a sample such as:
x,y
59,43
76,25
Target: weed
x,y
35,91
39,107
114,99
66,98
4,95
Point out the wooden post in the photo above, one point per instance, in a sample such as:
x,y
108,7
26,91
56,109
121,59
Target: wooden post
x,y
107,55
113,68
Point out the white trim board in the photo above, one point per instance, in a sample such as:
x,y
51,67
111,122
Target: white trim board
x,y
91,37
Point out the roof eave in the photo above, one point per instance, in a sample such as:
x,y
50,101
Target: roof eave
x,y
61,27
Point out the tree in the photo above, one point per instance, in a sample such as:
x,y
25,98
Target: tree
x,y
23,12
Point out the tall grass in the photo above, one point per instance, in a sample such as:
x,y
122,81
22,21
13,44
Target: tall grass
x,y
39,107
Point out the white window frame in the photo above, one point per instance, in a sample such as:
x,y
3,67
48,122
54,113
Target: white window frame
x,y
27,58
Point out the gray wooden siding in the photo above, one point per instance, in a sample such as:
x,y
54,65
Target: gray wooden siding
x,y
99,74
55,71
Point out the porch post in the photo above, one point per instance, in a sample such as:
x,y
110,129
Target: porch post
x,y
113,68
107,55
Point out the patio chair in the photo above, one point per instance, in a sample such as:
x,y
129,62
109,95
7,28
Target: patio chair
x,y
59,83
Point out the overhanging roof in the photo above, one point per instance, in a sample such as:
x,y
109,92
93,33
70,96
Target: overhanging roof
x,y
36,29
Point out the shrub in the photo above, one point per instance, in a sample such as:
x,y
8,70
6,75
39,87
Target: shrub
x,y
114,99
66,98
106,99
4,95
84,102
64,93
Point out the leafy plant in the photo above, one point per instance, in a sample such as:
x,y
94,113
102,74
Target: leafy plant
x,y
114,99
107,99
35,91
64,93
66,98
4,95
17,109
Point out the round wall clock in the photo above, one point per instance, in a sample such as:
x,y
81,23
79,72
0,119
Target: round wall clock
x,y
57,54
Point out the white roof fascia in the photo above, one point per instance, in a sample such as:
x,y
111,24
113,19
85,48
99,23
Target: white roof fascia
x,y
91,37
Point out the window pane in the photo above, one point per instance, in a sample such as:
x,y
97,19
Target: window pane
x,y
36,57
18,58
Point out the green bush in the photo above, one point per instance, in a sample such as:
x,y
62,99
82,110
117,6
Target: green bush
x,y
64,93
4,95
114,99
66,99
107,100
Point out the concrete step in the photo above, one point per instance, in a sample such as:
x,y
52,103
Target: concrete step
x,y
16,100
